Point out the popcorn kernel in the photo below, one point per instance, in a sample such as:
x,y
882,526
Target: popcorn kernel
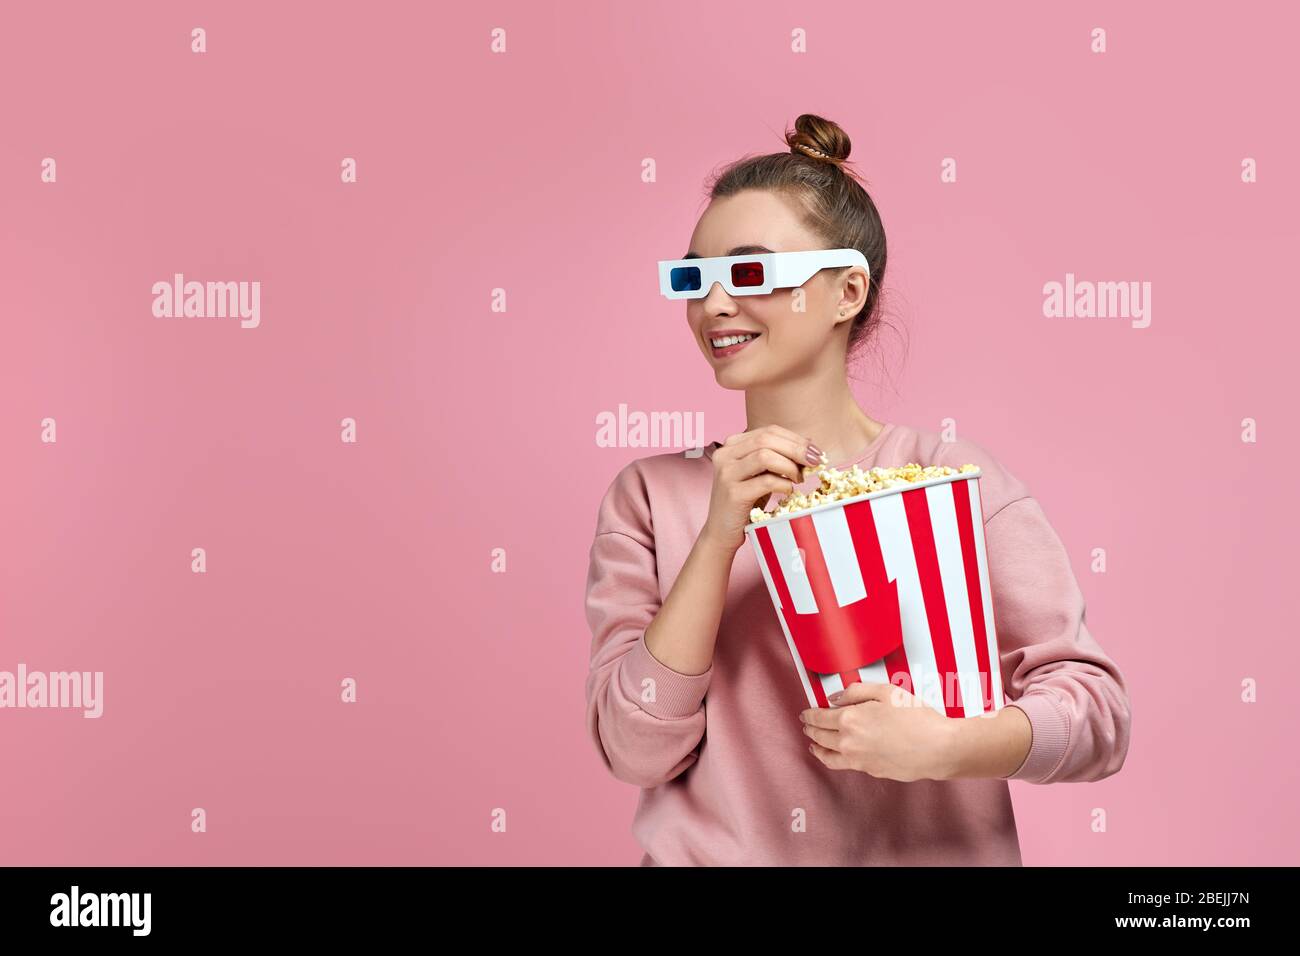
x,y
837,485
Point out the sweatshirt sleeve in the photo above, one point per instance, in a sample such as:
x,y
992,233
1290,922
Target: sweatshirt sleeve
x,y
646,719
1052,668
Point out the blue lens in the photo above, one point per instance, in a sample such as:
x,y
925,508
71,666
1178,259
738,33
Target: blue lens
x,y
685,279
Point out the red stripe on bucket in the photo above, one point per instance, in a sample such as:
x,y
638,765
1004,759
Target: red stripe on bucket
x,y
921,529
871,561
777,574
819,576
975,597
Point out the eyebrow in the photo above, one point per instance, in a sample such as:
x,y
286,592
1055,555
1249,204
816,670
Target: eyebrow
x,y
738,251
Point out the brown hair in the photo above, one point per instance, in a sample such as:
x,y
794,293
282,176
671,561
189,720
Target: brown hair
x,y
835,203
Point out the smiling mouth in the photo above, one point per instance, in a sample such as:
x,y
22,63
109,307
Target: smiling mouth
x,y
724,345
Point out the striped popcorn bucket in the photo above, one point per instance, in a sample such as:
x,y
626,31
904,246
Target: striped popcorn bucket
x,y
891,586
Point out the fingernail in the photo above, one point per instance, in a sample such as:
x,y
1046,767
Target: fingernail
x,y
835,697
813,454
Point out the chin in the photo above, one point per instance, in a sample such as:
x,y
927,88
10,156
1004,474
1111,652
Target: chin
x,y
735,379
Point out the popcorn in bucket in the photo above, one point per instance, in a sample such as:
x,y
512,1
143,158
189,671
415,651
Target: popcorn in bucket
x,y
881,576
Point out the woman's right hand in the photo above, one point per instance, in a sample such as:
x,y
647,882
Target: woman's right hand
x,y
747,469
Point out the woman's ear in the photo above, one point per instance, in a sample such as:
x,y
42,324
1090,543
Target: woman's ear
x,y
854,294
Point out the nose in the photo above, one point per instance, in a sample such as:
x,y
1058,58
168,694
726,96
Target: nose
x,y
717,296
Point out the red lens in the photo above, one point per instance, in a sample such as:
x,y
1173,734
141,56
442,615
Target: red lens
x,y
746,274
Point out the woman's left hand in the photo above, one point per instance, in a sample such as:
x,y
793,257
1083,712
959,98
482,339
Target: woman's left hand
x,y
885,731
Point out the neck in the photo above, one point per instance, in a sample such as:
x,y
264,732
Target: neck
x,y
820,407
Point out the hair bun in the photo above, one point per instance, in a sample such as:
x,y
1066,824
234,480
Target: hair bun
x,y
819,138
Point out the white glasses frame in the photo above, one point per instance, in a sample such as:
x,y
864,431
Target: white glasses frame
x,y
781,270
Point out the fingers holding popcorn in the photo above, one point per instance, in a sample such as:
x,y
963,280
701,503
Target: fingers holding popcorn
x,y
747,470
767,459
794,446
754,492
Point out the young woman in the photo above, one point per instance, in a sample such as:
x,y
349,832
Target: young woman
x,y
692,694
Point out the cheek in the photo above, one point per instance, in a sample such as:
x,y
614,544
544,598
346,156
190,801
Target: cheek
x,y
694,320
790,327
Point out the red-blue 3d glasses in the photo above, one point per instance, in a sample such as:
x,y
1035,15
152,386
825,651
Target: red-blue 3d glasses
x,y
755,274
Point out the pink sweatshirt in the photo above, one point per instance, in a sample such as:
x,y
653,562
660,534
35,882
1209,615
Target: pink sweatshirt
x,y
721,757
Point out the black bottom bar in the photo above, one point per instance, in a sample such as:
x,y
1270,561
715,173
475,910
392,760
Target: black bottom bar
x,y
959,907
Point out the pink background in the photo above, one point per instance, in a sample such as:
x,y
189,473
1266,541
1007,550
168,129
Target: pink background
x,y
477,429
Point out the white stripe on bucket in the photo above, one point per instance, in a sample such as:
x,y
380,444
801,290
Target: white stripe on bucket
x,y
952,572
900,565
874,673
841,557
796,578
776,601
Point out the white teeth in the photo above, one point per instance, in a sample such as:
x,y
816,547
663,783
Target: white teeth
x,y
726,340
